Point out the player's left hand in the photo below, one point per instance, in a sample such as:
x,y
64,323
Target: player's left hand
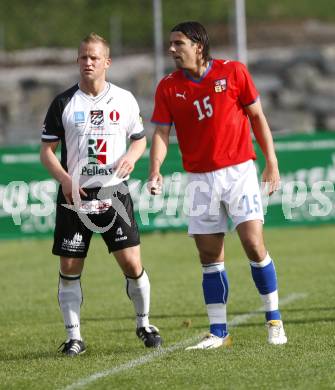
x,y
124,167
271,178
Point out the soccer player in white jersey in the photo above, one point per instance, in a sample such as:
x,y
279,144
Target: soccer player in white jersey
x,y
212,103
92,121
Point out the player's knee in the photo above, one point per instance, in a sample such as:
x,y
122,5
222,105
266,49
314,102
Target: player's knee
x,y
129,260
71,266
132,267
254,249
207,256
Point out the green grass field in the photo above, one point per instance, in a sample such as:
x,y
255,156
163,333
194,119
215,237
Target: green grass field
x,y
31,327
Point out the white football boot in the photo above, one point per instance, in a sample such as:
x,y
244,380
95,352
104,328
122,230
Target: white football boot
x,y
276,332
211,341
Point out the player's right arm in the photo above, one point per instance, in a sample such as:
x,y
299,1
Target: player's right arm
x,y
50,161
158,151
52,133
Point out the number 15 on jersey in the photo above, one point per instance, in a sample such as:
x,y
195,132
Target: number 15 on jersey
x,y
204,108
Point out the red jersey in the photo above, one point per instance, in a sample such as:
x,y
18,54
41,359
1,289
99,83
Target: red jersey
x,y
213,130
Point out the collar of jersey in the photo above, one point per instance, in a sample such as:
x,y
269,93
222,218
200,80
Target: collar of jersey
x,y
187,75
98,97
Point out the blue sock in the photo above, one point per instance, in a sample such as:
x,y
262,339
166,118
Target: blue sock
x,y
264,276
215,289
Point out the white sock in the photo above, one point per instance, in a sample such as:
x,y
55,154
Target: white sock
x,y
138,291
70,298
270,301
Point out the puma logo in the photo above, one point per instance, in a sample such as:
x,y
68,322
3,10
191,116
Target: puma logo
x,y
181,95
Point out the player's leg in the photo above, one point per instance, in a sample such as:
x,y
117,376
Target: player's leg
x,y
264,275
137,282
208,230
262,267
245,208
71,243
70,299
123,241
215,289
138,290
214,281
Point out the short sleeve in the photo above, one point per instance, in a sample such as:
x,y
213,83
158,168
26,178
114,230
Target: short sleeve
x,y
135,128
161,114
53,129
248,93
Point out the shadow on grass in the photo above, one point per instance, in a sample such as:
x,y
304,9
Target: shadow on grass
x,y
289,321
231,313
29,356
93,351
157,316
254,324
309,309
203,316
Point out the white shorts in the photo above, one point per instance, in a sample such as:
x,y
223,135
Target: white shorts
x,y
216,196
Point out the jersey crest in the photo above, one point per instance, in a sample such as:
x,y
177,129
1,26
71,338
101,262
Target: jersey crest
x,y
220,85
97,119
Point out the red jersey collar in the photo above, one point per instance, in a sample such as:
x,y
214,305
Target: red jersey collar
x,y
188,76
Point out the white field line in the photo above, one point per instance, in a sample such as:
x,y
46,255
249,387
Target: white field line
x,y
164,351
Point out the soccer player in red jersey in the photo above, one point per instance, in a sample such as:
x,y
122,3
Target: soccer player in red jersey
x,y
212,104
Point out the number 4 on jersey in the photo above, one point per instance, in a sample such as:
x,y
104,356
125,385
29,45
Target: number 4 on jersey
x,y
204,109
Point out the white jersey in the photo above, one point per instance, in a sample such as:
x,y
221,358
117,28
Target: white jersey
x,y
93,132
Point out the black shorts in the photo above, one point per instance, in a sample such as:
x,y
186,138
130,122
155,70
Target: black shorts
x,y
73,234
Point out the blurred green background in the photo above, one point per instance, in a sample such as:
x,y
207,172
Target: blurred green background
x,y
62,23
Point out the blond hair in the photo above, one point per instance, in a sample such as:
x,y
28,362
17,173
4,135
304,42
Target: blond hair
x,y
93,37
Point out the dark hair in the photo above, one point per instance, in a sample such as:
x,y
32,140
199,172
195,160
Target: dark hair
x,y
197,33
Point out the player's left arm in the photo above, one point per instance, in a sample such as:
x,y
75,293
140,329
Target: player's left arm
x,y
127,162
264,138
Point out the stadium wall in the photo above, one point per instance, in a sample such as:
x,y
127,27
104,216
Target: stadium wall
x,y
296,85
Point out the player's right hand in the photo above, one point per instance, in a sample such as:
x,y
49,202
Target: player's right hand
x,y
155,184
67,190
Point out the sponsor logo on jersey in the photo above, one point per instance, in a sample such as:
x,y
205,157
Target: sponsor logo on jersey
x,y
97,151
79,116
220,85
74,245
92,170
97,119
114,116
79,119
